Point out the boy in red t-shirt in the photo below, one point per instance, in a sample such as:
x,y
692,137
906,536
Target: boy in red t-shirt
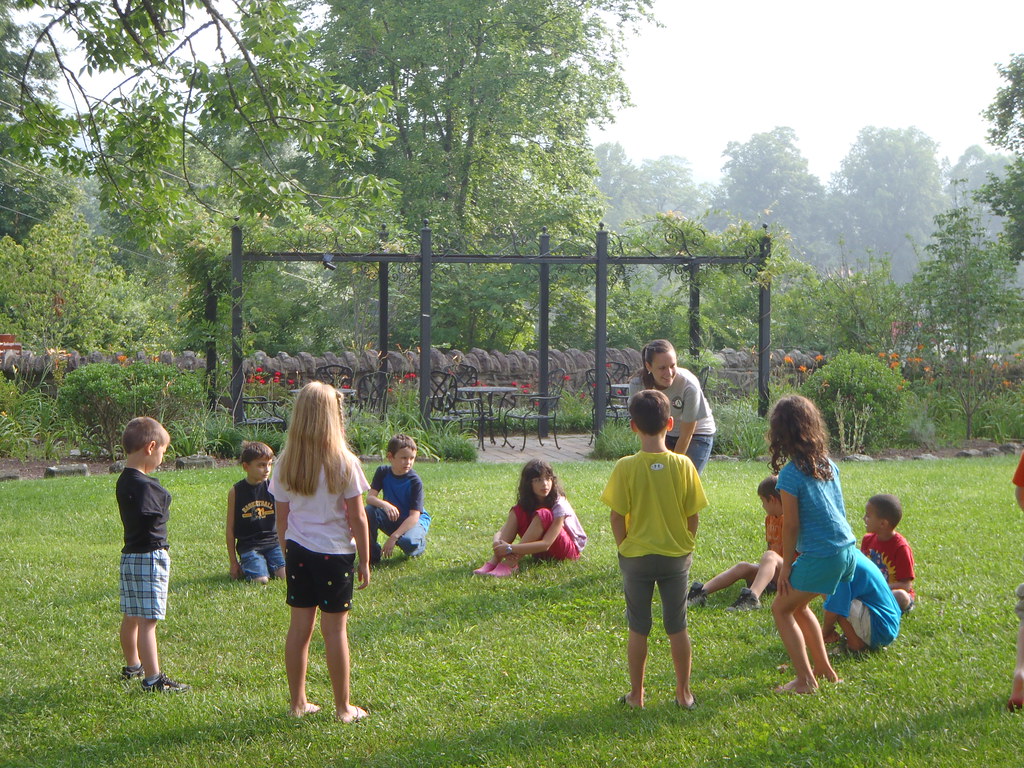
x,y
1017,692
888,549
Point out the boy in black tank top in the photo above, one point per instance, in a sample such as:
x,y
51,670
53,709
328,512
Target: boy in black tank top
x,y
253,548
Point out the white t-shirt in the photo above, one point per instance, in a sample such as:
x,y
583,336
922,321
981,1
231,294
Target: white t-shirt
x,y
687,400
319,522
563,509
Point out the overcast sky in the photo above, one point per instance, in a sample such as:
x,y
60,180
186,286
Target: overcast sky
x,y
722,71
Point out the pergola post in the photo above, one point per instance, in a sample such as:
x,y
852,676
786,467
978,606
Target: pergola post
x,y
544,326
764,327
426,277
694,315
235,388
383,316
601,329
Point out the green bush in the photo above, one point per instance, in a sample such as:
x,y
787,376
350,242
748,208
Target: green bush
x,y
862,400
741,432
615,440
102,397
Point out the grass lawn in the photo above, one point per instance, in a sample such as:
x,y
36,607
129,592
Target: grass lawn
x,y
459,670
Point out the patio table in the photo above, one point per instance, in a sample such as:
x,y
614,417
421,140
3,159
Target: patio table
x,y
484,395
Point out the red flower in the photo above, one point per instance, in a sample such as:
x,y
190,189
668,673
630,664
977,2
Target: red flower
x,y
259,370
291,382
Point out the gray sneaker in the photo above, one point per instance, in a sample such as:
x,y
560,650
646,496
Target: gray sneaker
x,y
696,595
164,684
747,601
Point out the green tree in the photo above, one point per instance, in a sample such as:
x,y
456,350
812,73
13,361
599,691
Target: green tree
x,y
969,307
887,191
60,289
493,100
767,179
159,140
972,174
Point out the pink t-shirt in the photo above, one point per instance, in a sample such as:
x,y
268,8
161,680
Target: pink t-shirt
x,y
320,522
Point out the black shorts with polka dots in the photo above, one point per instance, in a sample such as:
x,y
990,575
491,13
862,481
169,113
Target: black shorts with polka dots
x,y
316,580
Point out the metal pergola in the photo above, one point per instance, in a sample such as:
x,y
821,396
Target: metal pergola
x,y
752,262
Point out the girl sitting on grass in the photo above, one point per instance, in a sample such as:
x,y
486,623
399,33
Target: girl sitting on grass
x,y
543,520
813,524
318,488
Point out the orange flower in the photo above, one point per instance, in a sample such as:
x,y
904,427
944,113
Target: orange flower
x,y
787,360
803,369
818,358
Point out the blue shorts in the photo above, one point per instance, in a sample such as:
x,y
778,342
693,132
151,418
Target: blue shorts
x,y
143,583
262,562
822,575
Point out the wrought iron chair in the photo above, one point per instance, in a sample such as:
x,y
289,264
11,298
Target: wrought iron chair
x,y
338,376
372,392
533,408
618,372
615,406
466,375
262,412
446,407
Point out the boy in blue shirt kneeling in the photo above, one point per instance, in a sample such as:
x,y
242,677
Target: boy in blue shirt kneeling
x,y
864,608
395,503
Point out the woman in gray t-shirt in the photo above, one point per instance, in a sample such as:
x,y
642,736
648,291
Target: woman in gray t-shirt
x,y
693,430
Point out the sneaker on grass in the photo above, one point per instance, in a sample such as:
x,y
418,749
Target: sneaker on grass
x,y
130,673
164,684
696,595
747,601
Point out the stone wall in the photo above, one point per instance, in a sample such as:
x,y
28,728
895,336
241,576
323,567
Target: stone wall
x,y
737,371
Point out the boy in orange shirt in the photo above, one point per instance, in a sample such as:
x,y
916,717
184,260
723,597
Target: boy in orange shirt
x,y
760,576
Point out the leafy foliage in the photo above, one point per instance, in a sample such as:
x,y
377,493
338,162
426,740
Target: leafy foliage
x,y
861,398
102,397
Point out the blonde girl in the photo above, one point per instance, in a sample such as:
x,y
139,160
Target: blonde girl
x,y
318,488
814,525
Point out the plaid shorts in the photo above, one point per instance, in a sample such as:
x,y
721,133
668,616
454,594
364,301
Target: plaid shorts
x,y
143,586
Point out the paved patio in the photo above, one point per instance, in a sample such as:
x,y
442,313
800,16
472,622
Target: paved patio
x,y
571,448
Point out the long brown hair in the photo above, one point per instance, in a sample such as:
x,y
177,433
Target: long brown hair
x,y
656,347
797,432
527,499
316,441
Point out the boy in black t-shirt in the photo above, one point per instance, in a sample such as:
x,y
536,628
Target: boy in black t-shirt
x,y
252,524
144,505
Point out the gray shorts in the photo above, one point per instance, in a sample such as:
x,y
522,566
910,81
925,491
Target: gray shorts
x,y
1020,602
640,575
143,587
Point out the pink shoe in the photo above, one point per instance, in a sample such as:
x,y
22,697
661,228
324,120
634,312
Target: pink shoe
x,y
501,570
485,569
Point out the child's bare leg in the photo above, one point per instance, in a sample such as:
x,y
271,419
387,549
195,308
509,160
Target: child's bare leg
x,y
129,636
147,646
766,571
1017,691
296,658
727,578
815,644
682,658
785,610
279,573
334,627
853,640
903,598
636,656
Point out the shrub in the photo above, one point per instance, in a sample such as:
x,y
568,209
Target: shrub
x,y
741,432
615,440
102,397
861,398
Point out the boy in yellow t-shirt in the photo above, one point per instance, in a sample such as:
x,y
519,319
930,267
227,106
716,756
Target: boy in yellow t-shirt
x,y
655,496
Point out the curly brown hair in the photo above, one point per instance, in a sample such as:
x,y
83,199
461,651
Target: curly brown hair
x,y
796,431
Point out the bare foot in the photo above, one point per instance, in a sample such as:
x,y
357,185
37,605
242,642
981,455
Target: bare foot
x,y
629,702
351,714
831,637
306,709
1016,693
795,686
829,676
689,702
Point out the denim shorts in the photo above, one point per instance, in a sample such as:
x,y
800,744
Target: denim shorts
x,y
262,562
143,583
822,575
